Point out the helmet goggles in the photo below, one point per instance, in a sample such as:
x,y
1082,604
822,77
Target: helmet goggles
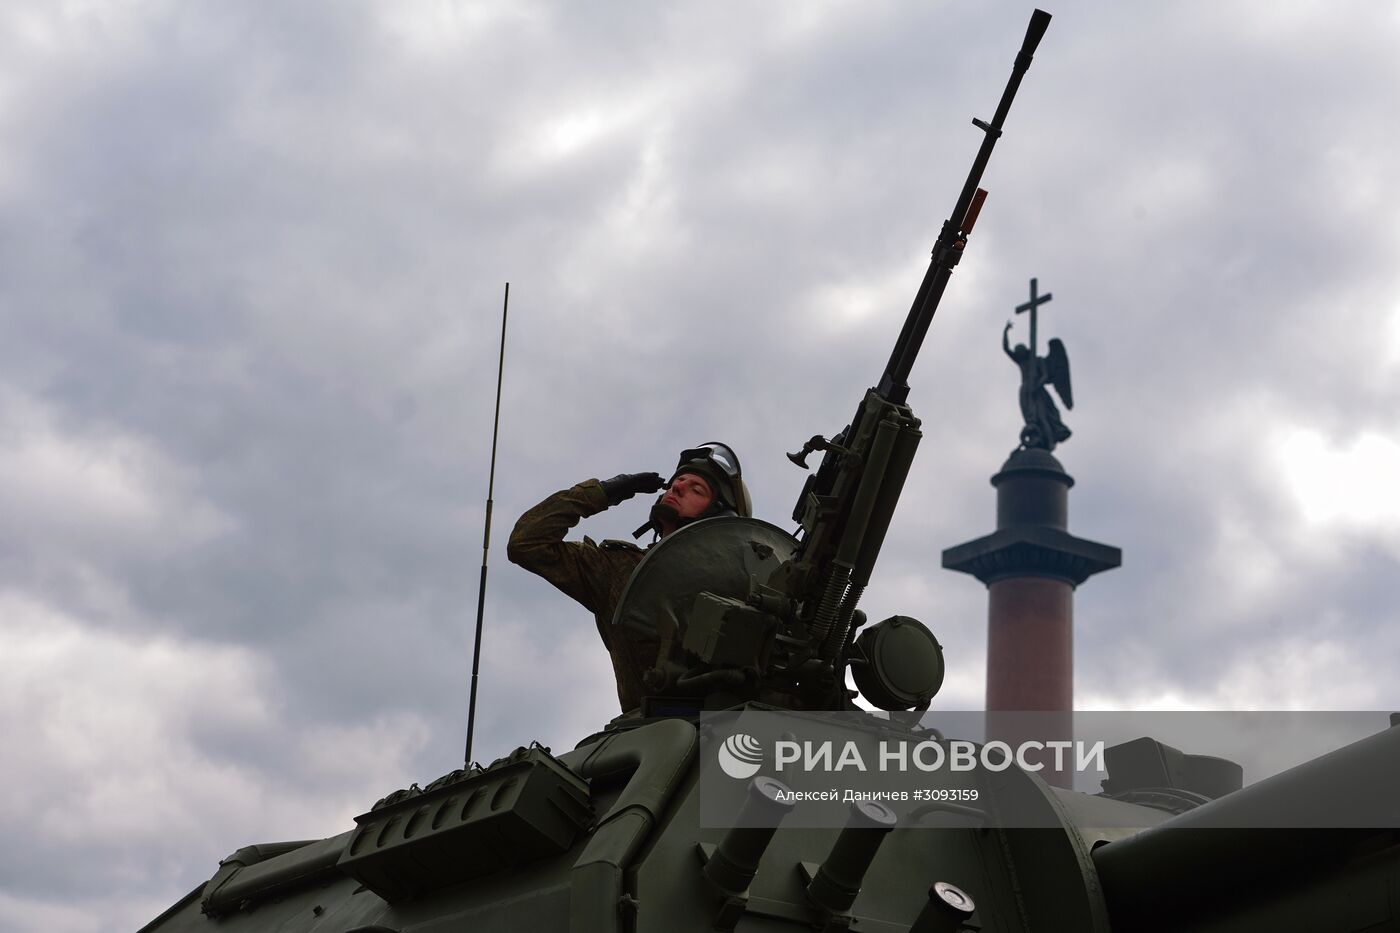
x,y
718,456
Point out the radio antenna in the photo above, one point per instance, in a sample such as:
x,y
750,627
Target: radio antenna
x,y
486,537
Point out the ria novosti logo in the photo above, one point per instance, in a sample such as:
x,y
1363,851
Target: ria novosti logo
x,y
740,756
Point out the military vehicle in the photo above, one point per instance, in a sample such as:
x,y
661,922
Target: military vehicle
x,y
609,836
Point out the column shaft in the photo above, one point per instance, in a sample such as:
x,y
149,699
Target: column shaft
x,y
1030,644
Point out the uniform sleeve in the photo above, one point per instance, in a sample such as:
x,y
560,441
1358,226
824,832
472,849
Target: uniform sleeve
x,y
578,568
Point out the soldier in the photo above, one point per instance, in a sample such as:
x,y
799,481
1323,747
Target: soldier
x,y
706,482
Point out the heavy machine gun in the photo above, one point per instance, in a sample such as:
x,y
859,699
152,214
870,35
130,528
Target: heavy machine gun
x,y
846,506
782,633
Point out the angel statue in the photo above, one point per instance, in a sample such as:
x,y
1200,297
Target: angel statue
x,y
1043,427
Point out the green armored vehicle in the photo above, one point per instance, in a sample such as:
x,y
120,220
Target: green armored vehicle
x,y
620,833
605,838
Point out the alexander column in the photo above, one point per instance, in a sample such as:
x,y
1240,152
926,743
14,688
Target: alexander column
x,y
1031,564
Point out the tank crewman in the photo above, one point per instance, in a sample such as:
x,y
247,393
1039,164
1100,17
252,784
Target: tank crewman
x,y
706,482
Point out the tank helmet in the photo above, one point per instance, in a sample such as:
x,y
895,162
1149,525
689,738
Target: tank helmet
x,y
719,466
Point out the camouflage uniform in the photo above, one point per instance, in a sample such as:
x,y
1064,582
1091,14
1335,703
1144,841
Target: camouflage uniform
x,y
593,574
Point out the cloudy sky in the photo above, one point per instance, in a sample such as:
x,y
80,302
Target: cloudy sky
x,y
250,285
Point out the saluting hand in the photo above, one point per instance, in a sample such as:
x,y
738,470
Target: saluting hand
x,y
626,485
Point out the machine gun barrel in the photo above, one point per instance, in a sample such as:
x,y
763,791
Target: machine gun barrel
x,y
894,384
847,504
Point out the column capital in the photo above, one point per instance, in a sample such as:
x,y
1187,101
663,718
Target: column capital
x,y
1032,551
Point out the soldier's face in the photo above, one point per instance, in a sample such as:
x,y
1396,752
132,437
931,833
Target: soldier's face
x,y
690,495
